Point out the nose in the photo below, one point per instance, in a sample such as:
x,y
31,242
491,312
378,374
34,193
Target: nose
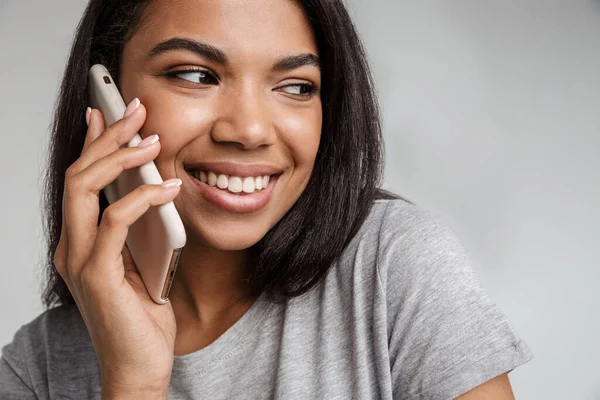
x,y
244,120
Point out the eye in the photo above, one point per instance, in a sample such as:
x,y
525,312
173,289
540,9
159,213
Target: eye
x,y
196,76
305,90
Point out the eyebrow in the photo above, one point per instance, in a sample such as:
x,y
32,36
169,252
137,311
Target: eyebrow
x,y
292,62
218,56
205,50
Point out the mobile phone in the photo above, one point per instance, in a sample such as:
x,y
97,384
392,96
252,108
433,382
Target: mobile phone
x,y
158,237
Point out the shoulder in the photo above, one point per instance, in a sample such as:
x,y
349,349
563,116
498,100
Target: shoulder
x,y
402,251
407,239
419,259
41,326
52,327
445,334
57,340
402,223
53,330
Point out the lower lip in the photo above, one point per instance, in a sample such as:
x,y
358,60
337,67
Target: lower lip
x,y
238,203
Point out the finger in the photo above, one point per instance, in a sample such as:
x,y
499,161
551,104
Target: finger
x,y
131,272
95,122
105,170
117,219
95,127
82,207
62,248
60,254
128,261
111,139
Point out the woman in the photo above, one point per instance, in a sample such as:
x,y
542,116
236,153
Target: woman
x,y
318,285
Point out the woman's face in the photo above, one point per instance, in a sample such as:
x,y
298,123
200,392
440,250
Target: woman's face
x,y
231,87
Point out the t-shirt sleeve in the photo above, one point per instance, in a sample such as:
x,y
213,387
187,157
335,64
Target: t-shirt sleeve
x,y
446,336
15,382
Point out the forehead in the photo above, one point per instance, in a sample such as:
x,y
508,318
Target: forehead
x,y
236,26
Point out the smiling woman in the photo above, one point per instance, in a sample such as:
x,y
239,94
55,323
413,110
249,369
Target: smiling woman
x,y
300,278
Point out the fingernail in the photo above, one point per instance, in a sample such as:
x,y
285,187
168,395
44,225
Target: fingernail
x,y
131,107
172,183
88,115
150,140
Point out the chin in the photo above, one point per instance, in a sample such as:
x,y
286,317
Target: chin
x,y
229,242
225,237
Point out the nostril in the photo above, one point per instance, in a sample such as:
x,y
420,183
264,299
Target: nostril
x,y
243,132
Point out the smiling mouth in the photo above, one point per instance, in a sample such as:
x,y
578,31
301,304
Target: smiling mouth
x,y
233,184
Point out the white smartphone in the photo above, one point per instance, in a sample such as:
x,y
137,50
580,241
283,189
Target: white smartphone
x,y
158,237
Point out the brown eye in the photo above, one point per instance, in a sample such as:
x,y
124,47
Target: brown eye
x,y
300,89
200,77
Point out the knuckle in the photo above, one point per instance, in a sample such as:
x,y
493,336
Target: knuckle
x,y
123,157
147,191
76,181
71,171
60,264
118,139
111,217
118,161
116,134
87,276
74,185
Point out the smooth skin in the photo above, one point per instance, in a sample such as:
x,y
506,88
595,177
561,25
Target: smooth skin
x,y
241,108
246,111
127,328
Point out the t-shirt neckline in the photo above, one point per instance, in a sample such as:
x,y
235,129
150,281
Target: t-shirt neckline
x,y
200,361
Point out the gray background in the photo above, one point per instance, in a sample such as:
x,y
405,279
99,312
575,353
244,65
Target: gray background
x,y
492,119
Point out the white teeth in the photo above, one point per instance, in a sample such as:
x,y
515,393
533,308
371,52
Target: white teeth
x,y
212,179
248,185
235,184
222,181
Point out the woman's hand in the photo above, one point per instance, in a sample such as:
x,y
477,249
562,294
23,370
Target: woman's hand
x,y
133,337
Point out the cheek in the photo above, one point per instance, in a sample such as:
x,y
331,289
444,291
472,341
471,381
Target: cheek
x,y
177,121
301,134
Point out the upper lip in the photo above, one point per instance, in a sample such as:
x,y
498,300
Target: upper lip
x,y
233,169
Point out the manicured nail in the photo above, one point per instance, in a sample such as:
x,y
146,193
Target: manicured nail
x,y
88,115
150,140
131,107
172,183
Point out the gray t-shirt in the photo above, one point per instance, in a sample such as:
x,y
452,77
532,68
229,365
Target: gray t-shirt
x,y
399,316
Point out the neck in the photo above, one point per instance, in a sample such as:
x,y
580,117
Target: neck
x,y
209,284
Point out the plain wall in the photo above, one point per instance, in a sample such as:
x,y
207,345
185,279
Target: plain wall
x,y
491,112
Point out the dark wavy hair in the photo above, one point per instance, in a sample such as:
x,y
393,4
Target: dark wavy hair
x,y
299,250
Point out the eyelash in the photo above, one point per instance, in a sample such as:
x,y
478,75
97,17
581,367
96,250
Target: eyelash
x,y
310,89
173,74
306,89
